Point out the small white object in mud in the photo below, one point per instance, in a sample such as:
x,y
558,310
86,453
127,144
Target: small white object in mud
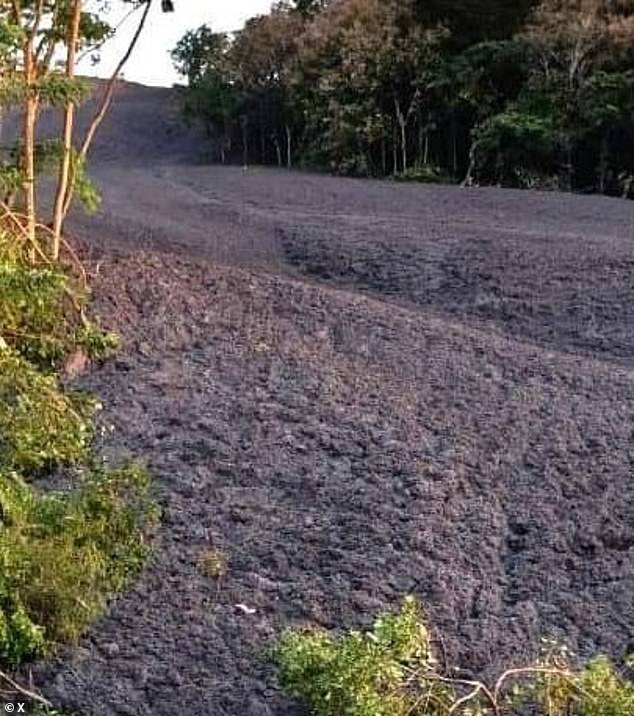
x,y
244,609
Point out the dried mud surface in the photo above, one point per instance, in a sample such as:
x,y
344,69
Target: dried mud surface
x,y
356,391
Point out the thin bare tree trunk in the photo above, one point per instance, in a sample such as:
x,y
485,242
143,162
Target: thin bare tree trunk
x,y
421,132
383,156
278,150
428,128
106,101
262,138
468,180
244,124
67,133
402,123
569,164
454,146
30,116
394,151
289,147
603,164
28,136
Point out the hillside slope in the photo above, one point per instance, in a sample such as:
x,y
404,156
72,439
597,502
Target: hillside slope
x,y
356,390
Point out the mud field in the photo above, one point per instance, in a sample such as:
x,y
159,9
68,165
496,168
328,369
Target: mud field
x,y
356,390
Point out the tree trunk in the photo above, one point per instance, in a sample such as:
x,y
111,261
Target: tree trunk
x,y
226,139
468,180
569,167
278,150
428,129
454,146
402,123
395,151
289,147
603,164
244,125
67,133
106,101
383,157
421,132
30,116
28,137
262,145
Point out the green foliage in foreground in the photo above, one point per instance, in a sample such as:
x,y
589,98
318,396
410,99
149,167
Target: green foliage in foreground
x,y
390,670
41,310
63,554
32,310
40,426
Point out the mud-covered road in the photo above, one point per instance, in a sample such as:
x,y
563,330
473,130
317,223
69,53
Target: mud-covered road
x,y
355,390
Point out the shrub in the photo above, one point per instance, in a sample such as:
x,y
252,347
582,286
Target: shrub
x,y
32,310
39,426
390,670
517,148
97,344
213,563
595,690
42,310
63,554
363,674
424,174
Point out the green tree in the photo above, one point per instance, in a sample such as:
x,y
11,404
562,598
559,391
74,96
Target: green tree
x,y
474,21
516,92
33,35
212,96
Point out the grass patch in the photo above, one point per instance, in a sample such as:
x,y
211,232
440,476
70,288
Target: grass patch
x,y
213,563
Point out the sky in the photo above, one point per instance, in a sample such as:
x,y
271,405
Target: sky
x,y
151,63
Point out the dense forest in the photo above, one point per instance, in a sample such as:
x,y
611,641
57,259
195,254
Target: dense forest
x,y
508,92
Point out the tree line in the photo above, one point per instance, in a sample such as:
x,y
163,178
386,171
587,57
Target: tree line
x,y
510,92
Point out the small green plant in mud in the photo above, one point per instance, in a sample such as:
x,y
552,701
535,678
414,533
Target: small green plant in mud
x,y
213,563
390,670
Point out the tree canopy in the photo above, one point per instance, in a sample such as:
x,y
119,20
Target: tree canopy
x,y
513,92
